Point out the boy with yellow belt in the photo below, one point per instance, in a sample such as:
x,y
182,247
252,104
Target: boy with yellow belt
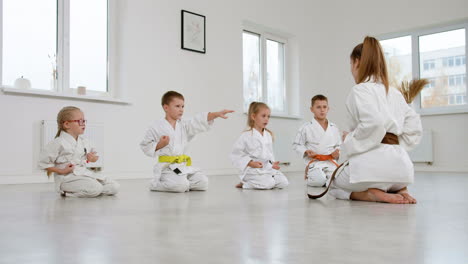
x,y
167,140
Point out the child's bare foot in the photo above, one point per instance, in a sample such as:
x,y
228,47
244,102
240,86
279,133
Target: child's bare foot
x,y
239,185
404,192
382,197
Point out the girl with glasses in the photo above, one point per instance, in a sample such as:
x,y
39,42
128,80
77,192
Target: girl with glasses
x,y
66,156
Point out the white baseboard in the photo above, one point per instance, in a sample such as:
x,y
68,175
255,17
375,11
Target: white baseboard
x,y
5,179
440,169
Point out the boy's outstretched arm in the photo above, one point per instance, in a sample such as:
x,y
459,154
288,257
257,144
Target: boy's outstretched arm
x,y
222,114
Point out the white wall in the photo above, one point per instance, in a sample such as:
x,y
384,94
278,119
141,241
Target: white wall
x,y
338,26
148,61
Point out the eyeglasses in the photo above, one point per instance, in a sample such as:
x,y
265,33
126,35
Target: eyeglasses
x,y
80,122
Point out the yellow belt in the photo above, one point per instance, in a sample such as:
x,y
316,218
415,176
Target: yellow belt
x,y
176,159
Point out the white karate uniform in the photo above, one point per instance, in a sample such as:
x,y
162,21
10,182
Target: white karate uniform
x,y
312,136
372,113
165,179
81,182
253,146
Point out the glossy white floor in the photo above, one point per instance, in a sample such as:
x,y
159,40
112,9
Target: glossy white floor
x,y
228,225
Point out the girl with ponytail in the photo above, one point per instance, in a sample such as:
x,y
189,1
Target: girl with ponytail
x,y
253,155
382,127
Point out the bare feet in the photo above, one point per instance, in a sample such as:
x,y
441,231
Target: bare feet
x,y
404,192
239,185
380,196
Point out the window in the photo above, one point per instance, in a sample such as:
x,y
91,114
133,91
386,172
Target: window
x,y
88,44
264,70
252,73
275,75
57,45
398,57
454,61
457,99
450,64
436,54
29,42
429,65
431,82
437,46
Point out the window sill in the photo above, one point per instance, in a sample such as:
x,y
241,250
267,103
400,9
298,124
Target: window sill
x,y
40,93
443,111
285,116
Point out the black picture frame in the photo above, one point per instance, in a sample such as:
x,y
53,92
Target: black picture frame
x,y
193,31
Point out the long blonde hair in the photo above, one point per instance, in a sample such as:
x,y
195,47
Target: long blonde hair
x,y
64,115
254,108
371,61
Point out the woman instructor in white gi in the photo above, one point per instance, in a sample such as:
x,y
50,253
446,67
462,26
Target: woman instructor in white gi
x,y
381,128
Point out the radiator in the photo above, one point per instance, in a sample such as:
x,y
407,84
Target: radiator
x,y
94,133
424,151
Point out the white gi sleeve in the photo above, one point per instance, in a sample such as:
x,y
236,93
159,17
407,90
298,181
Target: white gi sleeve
x,y
149,142
239,157
49,155
300,141
197,124
412,129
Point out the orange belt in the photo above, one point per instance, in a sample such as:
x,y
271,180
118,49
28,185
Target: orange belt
x,y
320,158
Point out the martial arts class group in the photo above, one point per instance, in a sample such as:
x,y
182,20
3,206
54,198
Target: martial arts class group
x,y
372,148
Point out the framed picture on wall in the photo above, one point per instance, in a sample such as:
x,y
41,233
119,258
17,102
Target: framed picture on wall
x,y
193,32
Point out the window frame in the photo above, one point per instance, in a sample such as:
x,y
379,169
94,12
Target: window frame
x,y
265,35
63,89
416,67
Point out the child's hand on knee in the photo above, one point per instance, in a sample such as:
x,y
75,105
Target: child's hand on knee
x,y
310,153
69,168
336,154
255,164
92,157
276,165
